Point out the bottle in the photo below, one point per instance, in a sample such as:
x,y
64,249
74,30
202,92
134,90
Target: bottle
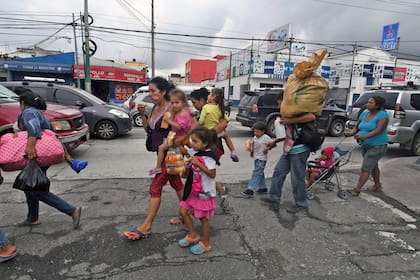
x,y
279,128
164,123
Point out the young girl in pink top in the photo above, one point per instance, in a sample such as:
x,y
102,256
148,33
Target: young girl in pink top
x,y
180,121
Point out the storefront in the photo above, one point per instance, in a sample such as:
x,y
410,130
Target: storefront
x,y
110,81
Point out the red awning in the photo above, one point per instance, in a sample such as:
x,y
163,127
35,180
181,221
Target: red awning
x,y
112,74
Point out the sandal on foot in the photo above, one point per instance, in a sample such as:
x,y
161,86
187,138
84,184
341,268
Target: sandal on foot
x,y
374,189
200,248
354,192
135,234
27,223
155,171
9,256
187,241
78,165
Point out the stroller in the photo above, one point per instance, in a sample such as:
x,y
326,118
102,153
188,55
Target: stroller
x,y
341,157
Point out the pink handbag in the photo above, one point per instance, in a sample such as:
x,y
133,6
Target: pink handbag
x,y
49,150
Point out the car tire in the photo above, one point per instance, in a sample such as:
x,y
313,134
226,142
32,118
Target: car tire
x,y
271,129
415,148
137,120
106,130
337,128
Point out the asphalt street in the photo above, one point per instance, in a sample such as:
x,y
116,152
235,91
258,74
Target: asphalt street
x,y
373,236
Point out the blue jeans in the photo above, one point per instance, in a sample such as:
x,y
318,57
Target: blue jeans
x,y
296,165
3,239
33,198
257,179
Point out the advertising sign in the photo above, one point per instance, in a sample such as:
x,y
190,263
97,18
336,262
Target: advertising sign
x,y
400,74
277,38
389,37
388,72
106,73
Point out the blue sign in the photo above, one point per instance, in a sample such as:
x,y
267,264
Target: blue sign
x,y
325,71
389,37
288,70
268,67
368,70
388,72
37,67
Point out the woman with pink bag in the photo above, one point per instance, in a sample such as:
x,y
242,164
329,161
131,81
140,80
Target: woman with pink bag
x,y
33,121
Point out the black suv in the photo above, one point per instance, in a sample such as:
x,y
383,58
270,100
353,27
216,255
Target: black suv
x,y
261,105
105,121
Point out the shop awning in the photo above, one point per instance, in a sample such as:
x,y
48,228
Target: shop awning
x,y
107,73
26,66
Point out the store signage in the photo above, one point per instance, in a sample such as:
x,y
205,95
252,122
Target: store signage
x,y
277,39
389,37
400,74
112,74
388,72
23,66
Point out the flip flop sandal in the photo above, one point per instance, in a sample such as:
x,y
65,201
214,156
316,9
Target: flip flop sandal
x,y
200,248
374,189
76,220
27,223
353,192
135,234
187,241
6,257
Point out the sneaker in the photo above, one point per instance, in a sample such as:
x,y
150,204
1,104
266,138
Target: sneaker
x,y
78,165
295,209
262,190
234,157
268,200
248,193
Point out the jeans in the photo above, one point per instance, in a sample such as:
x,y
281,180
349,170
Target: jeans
x,y
3,239
257,179
296,164
33,198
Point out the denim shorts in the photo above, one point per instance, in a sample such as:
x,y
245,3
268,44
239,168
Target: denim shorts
x,y
371,156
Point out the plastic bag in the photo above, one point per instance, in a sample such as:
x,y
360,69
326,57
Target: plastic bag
x,y
32,179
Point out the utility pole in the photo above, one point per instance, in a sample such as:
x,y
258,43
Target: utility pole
x,y
88,87
153,40
396,57
251,65
230,74
76,53
351,72
290,55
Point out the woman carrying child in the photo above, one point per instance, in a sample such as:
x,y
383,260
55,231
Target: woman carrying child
x,y
180,120
200,190
326,160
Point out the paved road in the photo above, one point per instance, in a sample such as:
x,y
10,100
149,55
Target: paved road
x,y
369,237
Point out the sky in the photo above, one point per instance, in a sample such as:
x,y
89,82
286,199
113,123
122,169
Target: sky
x,y
337,23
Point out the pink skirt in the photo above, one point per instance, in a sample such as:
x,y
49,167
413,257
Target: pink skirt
x,y
202,208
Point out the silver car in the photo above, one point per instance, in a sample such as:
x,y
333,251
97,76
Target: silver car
x,y
402,102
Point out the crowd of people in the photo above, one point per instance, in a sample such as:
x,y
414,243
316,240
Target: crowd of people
x,y
198,137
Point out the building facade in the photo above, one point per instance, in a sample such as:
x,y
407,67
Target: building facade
x,y
198,70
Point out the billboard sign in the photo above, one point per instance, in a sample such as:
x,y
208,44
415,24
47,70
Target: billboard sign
x,y
389,37
277,38
400,74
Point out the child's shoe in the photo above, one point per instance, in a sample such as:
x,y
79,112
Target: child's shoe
x,y
78,165
155,171
234,157
262,190
248,193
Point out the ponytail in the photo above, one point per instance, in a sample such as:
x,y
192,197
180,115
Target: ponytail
x,y
30,99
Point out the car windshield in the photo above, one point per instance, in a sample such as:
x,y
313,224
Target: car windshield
x,y
7,93
390,99
92,98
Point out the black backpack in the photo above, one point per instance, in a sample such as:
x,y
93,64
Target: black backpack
x,y
311,134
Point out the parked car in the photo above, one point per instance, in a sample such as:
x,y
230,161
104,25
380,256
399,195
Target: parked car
x,y
261,105
402,102
68,123
105,121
